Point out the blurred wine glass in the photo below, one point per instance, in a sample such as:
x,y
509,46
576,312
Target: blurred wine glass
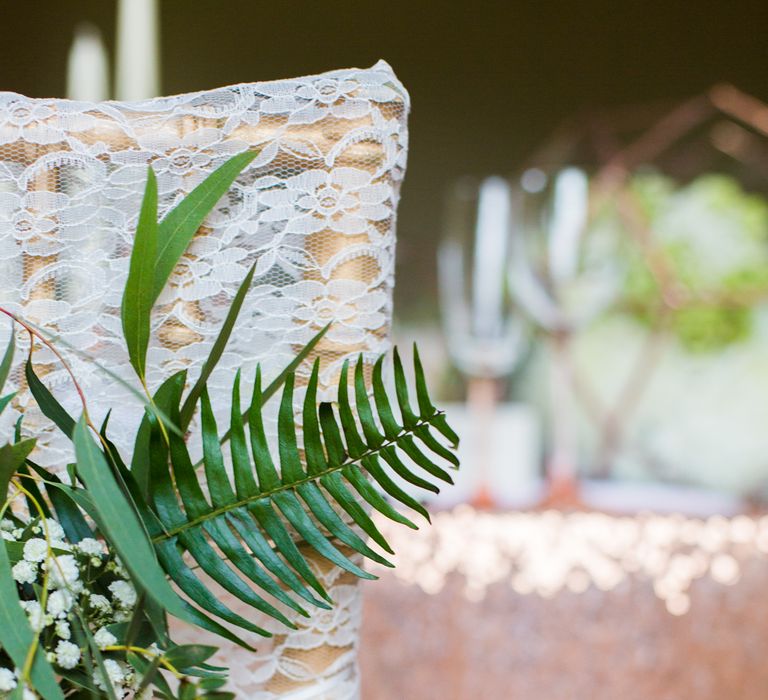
x,y
563,272
484,331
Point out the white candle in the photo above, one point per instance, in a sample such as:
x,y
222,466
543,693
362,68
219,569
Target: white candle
x,y
87,67
571,209
138,55
492,235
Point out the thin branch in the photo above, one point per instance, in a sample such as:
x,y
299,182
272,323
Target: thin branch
x,y
34,333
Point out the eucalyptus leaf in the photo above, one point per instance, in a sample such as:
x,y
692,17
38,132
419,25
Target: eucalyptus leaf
x,y
7,361
5,400
182,222
189,655
68,512
48,403
12,456
137,295
121,524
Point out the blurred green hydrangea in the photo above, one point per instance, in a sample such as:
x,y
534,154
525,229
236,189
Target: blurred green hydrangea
x,y
714,236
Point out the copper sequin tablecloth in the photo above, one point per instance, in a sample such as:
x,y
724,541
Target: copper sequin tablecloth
x,y
570,607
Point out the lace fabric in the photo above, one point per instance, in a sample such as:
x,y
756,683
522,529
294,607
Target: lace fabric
x,y
315,212
316,661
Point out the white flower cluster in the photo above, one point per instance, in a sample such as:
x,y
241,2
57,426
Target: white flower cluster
x,y
122,677
61,582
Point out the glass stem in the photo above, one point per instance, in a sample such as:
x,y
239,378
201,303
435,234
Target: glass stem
x,y
482,398
561,464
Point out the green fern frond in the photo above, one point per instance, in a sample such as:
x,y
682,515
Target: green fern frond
x,y
345,458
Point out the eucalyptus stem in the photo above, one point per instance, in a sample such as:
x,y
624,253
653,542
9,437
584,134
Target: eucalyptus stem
x,y
30,658
149,654
34,333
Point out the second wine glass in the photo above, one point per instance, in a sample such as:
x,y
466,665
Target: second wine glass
x,y
563,272
484,331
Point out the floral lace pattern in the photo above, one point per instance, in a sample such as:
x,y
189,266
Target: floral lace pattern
x,y
314,212
316,661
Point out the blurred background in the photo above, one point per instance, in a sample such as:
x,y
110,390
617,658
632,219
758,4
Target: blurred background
x,y
583,259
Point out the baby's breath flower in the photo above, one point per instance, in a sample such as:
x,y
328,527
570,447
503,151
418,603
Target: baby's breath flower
x,y
99,602
70,568
55,531
59,603
67,654
25,571
35,614
64,572
117,567
104,638
90,546
115,674
124,593
35,550
7,680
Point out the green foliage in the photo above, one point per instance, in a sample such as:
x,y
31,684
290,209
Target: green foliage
x,y
18,639
217,349
261,504
138,294
119,523
12,458
5,363
171,518
714,239
158,247
707,328
176,230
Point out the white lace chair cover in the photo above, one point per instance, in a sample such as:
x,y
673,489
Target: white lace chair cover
x,y
315,211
